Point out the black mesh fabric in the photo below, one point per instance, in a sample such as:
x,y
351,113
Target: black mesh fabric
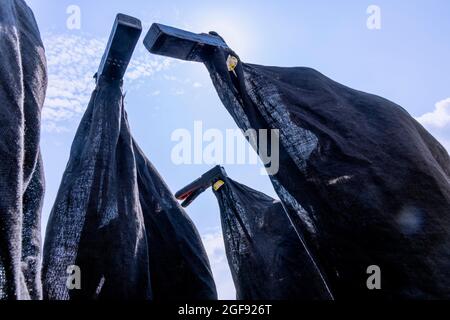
x,y
180,268
267,259
23,83
117,221
362,181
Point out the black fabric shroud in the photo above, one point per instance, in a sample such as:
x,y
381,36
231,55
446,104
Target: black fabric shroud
x,y
361,180
23,82
116,220
180,268
266,257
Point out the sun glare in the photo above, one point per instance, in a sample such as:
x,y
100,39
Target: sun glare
x,y
233,28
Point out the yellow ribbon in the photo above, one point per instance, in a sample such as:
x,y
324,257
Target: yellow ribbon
x,y
219,184
232,63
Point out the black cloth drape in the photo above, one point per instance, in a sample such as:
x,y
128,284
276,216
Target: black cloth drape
x,y
267,259
117,221
179,266
23,82
363,182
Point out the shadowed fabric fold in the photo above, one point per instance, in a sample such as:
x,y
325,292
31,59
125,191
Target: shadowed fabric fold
x,y
180,268
96,222
266,257
23,83
362,181
110,205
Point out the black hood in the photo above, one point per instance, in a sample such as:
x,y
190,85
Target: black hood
x,y
362,181
23,83
115,219
267,258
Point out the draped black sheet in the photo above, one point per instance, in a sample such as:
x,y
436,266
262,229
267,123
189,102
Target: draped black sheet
x,y
363,183
116,220
267,259
23,82
179,266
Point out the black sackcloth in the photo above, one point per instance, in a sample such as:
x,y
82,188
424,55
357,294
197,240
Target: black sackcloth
x,y
115,219
362,181
267,259
23,83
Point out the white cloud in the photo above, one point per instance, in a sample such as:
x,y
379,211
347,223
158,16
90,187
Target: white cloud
x,y
72,61
439,118
197,85
52,127
437,122
170,78
179,92
215,249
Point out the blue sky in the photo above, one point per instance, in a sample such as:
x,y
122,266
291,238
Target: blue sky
x,y
406,61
